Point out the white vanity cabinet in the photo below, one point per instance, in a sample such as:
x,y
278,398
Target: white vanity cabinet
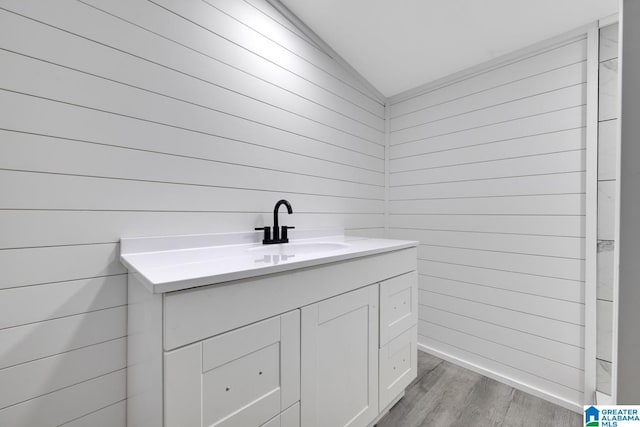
x,y
328,345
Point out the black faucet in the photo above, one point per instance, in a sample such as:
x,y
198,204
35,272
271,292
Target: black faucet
x,y
278,235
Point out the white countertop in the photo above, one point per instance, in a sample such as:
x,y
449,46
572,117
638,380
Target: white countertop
x,y
172,263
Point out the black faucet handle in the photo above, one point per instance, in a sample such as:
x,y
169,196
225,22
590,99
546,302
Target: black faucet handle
x,y
284,233
267,233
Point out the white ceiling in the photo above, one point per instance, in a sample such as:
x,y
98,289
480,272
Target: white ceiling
x,y
401,44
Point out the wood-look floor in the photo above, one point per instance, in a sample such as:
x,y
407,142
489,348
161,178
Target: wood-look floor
x,y
447,395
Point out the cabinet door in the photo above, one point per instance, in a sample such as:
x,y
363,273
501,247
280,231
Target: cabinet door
x,y
339,362
241,378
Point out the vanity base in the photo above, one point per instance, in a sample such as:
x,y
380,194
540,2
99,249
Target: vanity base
x,y
325,345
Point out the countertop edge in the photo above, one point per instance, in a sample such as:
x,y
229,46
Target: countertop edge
x,y
173,286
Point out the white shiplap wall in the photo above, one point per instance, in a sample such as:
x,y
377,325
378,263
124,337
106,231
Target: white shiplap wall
x,y
488,172
129,118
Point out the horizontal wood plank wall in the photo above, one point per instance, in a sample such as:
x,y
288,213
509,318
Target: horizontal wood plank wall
x,y
135,118
488,173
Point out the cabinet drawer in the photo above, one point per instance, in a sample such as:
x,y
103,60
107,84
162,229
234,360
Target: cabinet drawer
x,y
398,305
398,365
288,418
242,378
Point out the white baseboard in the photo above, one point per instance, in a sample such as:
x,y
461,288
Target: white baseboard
x,y
572,406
